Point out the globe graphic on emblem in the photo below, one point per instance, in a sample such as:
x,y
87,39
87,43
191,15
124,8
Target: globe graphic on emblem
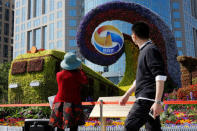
x,y
107,40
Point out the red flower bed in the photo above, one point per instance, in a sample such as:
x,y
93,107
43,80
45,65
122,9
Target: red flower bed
x,y
185,92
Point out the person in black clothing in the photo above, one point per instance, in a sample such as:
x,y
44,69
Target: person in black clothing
x,y
149,83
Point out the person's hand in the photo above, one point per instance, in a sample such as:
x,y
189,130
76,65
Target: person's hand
x,y
157,109
123,100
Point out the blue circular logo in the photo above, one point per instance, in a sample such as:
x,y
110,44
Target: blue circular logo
x,y
108,40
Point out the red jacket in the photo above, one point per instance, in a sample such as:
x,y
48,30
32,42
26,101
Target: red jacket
x,y
69,85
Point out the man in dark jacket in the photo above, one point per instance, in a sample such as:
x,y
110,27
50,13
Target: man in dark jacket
x,y
149,83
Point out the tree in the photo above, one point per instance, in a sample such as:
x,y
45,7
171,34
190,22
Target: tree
x,y
4,73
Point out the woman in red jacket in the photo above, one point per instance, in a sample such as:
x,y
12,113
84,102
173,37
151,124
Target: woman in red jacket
x,y
67,111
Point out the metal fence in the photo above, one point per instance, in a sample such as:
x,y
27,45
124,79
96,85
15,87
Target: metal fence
x,y
12,128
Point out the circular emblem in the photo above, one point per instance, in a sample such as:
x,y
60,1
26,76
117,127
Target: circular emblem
x,y
108,40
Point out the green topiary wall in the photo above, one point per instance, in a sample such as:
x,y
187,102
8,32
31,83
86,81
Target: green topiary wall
x,y
47,77
131,54
100,86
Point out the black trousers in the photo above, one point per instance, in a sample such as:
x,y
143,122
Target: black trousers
x,y
139,115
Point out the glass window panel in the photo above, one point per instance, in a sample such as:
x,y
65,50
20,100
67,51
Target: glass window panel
x,y
59,34
16,45
23,52
179,43
7,4
51,5
17,37
72,12
51,17
17,4
72,32
36,22
24,2
17,12
72,3
59,14
45,37
30,15
177,24
59,24
29,25
6,29
175,5
17,20
23,40
5,40
72,43
7,14
38,38
23,14
30,40
5,51
59,4
51,45
72,22
51,31
178,34
180,53
38,7
193,8
45,6
176,14
15,54
59,44
44,19
17,29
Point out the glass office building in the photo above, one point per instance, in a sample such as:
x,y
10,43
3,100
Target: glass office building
x,y
184,23
116,71
6,30
46,24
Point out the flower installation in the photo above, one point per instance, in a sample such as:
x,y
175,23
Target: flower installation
x,y
180,115
160,33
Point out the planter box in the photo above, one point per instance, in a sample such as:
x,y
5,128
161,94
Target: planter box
x,y
37,125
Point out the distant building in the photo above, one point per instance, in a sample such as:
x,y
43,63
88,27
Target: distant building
x,y
6,30
47,24
184,26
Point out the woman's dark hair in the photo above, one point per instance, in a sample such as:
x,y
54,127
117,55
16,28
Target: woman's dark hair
x,y
141,29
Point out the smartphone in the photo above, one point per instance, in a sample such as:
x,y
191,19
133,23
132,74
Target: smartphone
x,y
151,114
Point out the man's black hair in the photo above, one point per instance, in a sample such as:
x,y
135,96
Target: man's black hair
x,y
141,29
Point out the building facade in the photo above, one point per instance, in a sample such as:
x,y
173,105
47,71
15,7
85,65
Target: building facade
x,y
6,30
46,24
184,23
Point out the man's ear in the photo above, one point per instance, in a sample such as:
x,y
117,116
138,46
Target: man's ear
x,y
133,37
